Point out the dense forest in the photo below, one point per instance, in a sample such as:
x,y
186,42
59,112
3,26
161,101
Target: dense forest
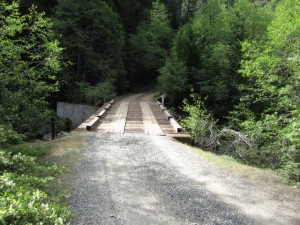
x,y
229,68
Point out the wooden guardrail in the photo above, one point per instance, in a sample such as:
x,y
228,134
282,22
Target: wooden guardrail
x,y
91,125
169,116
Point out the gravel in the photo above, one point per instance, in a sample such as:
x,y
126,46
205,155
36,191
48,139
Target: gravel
x,y
141,179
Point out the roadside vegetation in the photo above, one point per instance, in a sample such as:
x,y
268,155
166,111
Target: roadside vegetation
x,y
24,186
257,119
36,180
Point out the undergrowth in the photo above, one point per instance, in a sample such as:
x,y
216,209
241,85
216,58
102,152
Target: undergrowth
x,y
260,144
25,196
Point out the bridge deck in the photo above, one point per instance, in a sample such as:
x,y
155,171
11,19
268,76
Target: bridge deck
x,y
119,121
150,123
136,116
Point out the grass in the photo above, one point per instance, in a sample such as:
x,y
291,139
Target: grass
x,y
37,149
262,176
65,152
27,193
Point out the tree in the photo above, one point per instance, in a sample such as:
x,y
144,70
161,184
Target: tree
x,y
149,45
271,96
188,9
172,80
29,62
94,38
132,12
174,9
42,6
209,46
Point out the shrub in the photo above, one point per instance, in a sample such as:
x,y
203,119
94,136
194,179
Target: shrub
x,y
199,122
8,136
94,95
23,192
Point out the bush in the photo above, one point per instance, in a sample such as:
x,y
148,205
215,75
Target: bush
x,y
8,136
94,95
23,192
199,122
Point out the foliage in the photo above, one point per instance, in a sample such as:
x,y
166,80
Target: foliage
x,y
95,95
209,136
199,121
271,98
94,41
173,79
37,150
29,62
148,46
23,192
132,12
208,48
9,136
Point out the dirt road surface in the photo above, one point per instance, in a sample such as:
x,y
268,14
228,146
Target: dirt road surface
x,y
132,179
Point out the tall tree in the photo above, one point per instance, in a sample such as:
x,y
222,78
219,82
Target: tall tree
x,y
148,47
209,46
132,12
270,105
42,6
188,9
29,62
94,38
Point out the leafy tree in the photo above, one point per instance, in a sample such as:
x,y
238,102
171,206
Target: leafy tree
x,y
132,12
271,97
42,6
173,78
94,38
174,9
209,46
148,47
188,9
29,62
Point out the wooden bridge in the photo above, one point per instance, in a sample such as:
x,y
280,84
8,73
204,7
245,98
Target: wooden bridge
x,y
135,114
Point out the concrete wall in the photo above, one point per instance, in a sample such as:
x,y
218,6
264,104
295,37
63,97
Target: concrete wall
x,y
76,112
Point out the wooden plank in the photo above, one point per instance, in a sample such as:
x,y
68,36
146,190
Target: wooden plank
x,y
119,121
107,106
175,125
101,113
112,101
150,123
169,116
162,108
91,125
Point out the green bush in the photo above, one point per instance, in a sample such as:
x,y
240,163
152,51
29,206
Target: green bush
x,y
8,136
199,122
94,95
23,192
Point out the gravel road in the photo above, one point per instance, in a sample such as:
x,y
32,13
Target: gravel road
x,y
136,179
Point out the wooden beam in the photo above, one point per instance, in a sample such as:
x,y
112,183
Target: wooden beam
x,y
101,113
169,116
175,125
91,125
162,108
